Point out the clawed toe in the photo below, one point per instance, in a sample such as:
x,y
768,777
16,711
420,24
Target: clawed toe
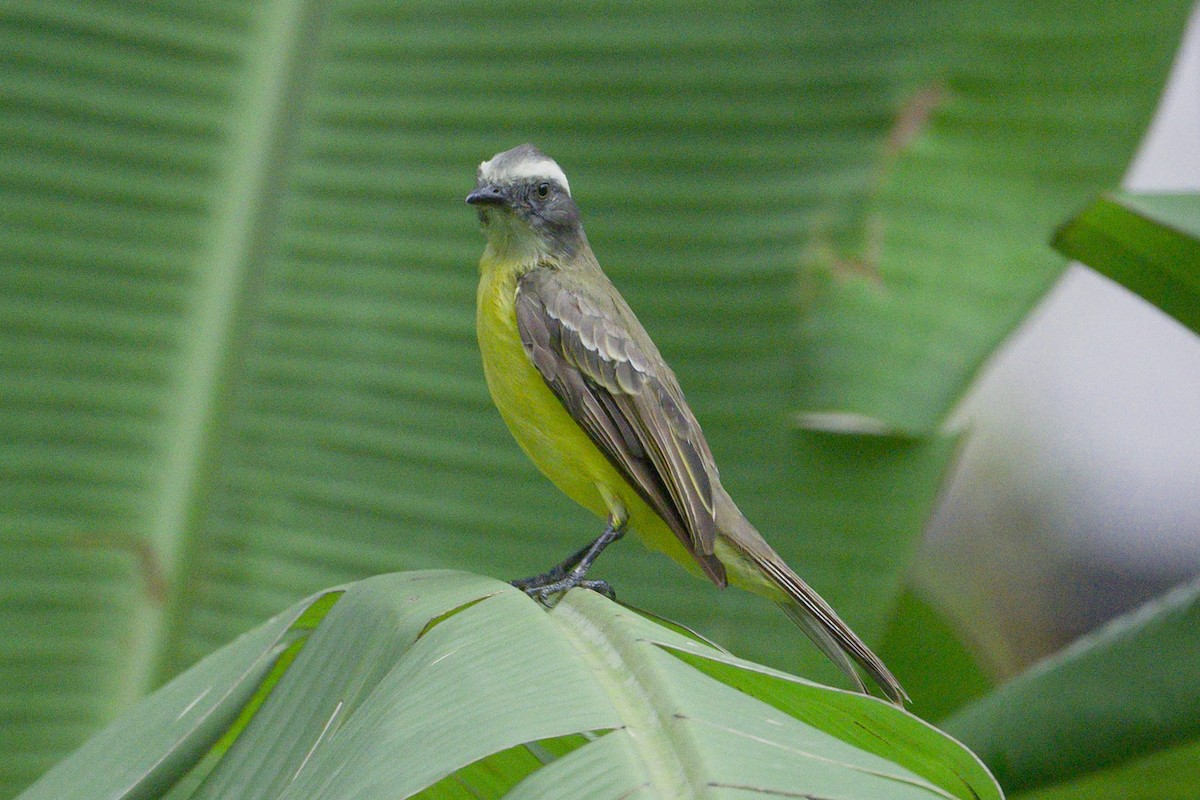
x,y
543,587
602,587
572,572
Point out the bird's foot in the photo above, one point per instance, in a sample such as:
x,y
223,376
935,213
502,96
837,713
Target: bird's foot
x,y
534,583
543,587
571,573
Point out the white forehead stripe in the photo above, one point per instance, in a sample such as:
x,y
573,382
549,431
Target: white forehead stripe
x,y
533,168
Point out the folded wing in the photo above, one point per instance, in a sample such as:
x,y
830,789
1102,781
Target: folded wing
x,y
597,360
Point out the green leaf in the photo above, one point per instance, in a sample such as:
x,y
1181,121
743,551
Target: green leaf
x,y
1166,775
442,684
1120,694
937,668
866,498
149,748
1150,244
860,721
1017,114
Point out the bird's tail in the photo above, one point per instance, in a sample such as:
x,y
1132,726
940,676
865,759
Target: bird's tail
x,y
812,614
809,610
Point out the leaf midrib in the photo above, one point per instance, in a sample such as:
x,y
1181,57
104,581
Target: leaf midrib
x,y
244,216
626,673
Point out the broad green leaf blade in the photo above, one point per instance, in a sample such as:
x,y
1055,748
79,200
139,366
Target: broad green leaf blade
x,y
493,775
1165,775
832,719
114,118
410,682
1150,244
380,681
1122,693
1019,113
606,768
866,499
857,719
148,749
937,668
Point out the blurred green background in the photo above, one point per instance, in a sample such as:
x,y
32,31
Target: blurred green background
x,y
237,357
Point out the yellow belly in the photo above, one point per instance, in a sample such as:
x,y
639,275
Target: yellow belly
x,y
545,431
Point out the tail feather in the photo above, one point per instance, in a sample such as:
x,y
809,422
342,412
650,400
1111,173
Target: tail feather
x,y
805,607
827,631
825,641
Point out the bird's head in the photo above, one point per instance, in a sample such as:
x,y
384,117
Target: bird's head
x,y
525,206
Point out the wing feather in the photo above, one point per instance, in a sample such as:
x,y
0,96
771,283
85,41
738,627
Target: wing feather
x,y
626,398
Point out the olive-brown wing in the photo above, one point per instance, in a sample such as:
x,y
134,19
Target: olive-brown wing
x,y
585,344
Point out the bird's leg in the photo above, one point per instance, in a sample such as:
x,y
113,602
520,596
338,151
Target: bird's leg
x,y
570,573
555,573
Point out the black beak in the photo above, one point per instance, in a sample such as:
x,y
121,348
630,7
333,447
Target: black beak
x,y
485,196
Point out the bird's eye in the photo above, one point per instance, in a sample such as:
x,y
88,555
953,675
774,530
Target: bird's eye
x,y
543,190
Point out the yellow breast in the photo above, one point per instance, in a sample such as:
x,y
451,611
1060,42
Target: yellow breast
x,y
538,421
541,425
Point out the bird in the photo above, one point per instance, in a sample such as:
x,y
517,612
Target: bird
x,y
589,398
